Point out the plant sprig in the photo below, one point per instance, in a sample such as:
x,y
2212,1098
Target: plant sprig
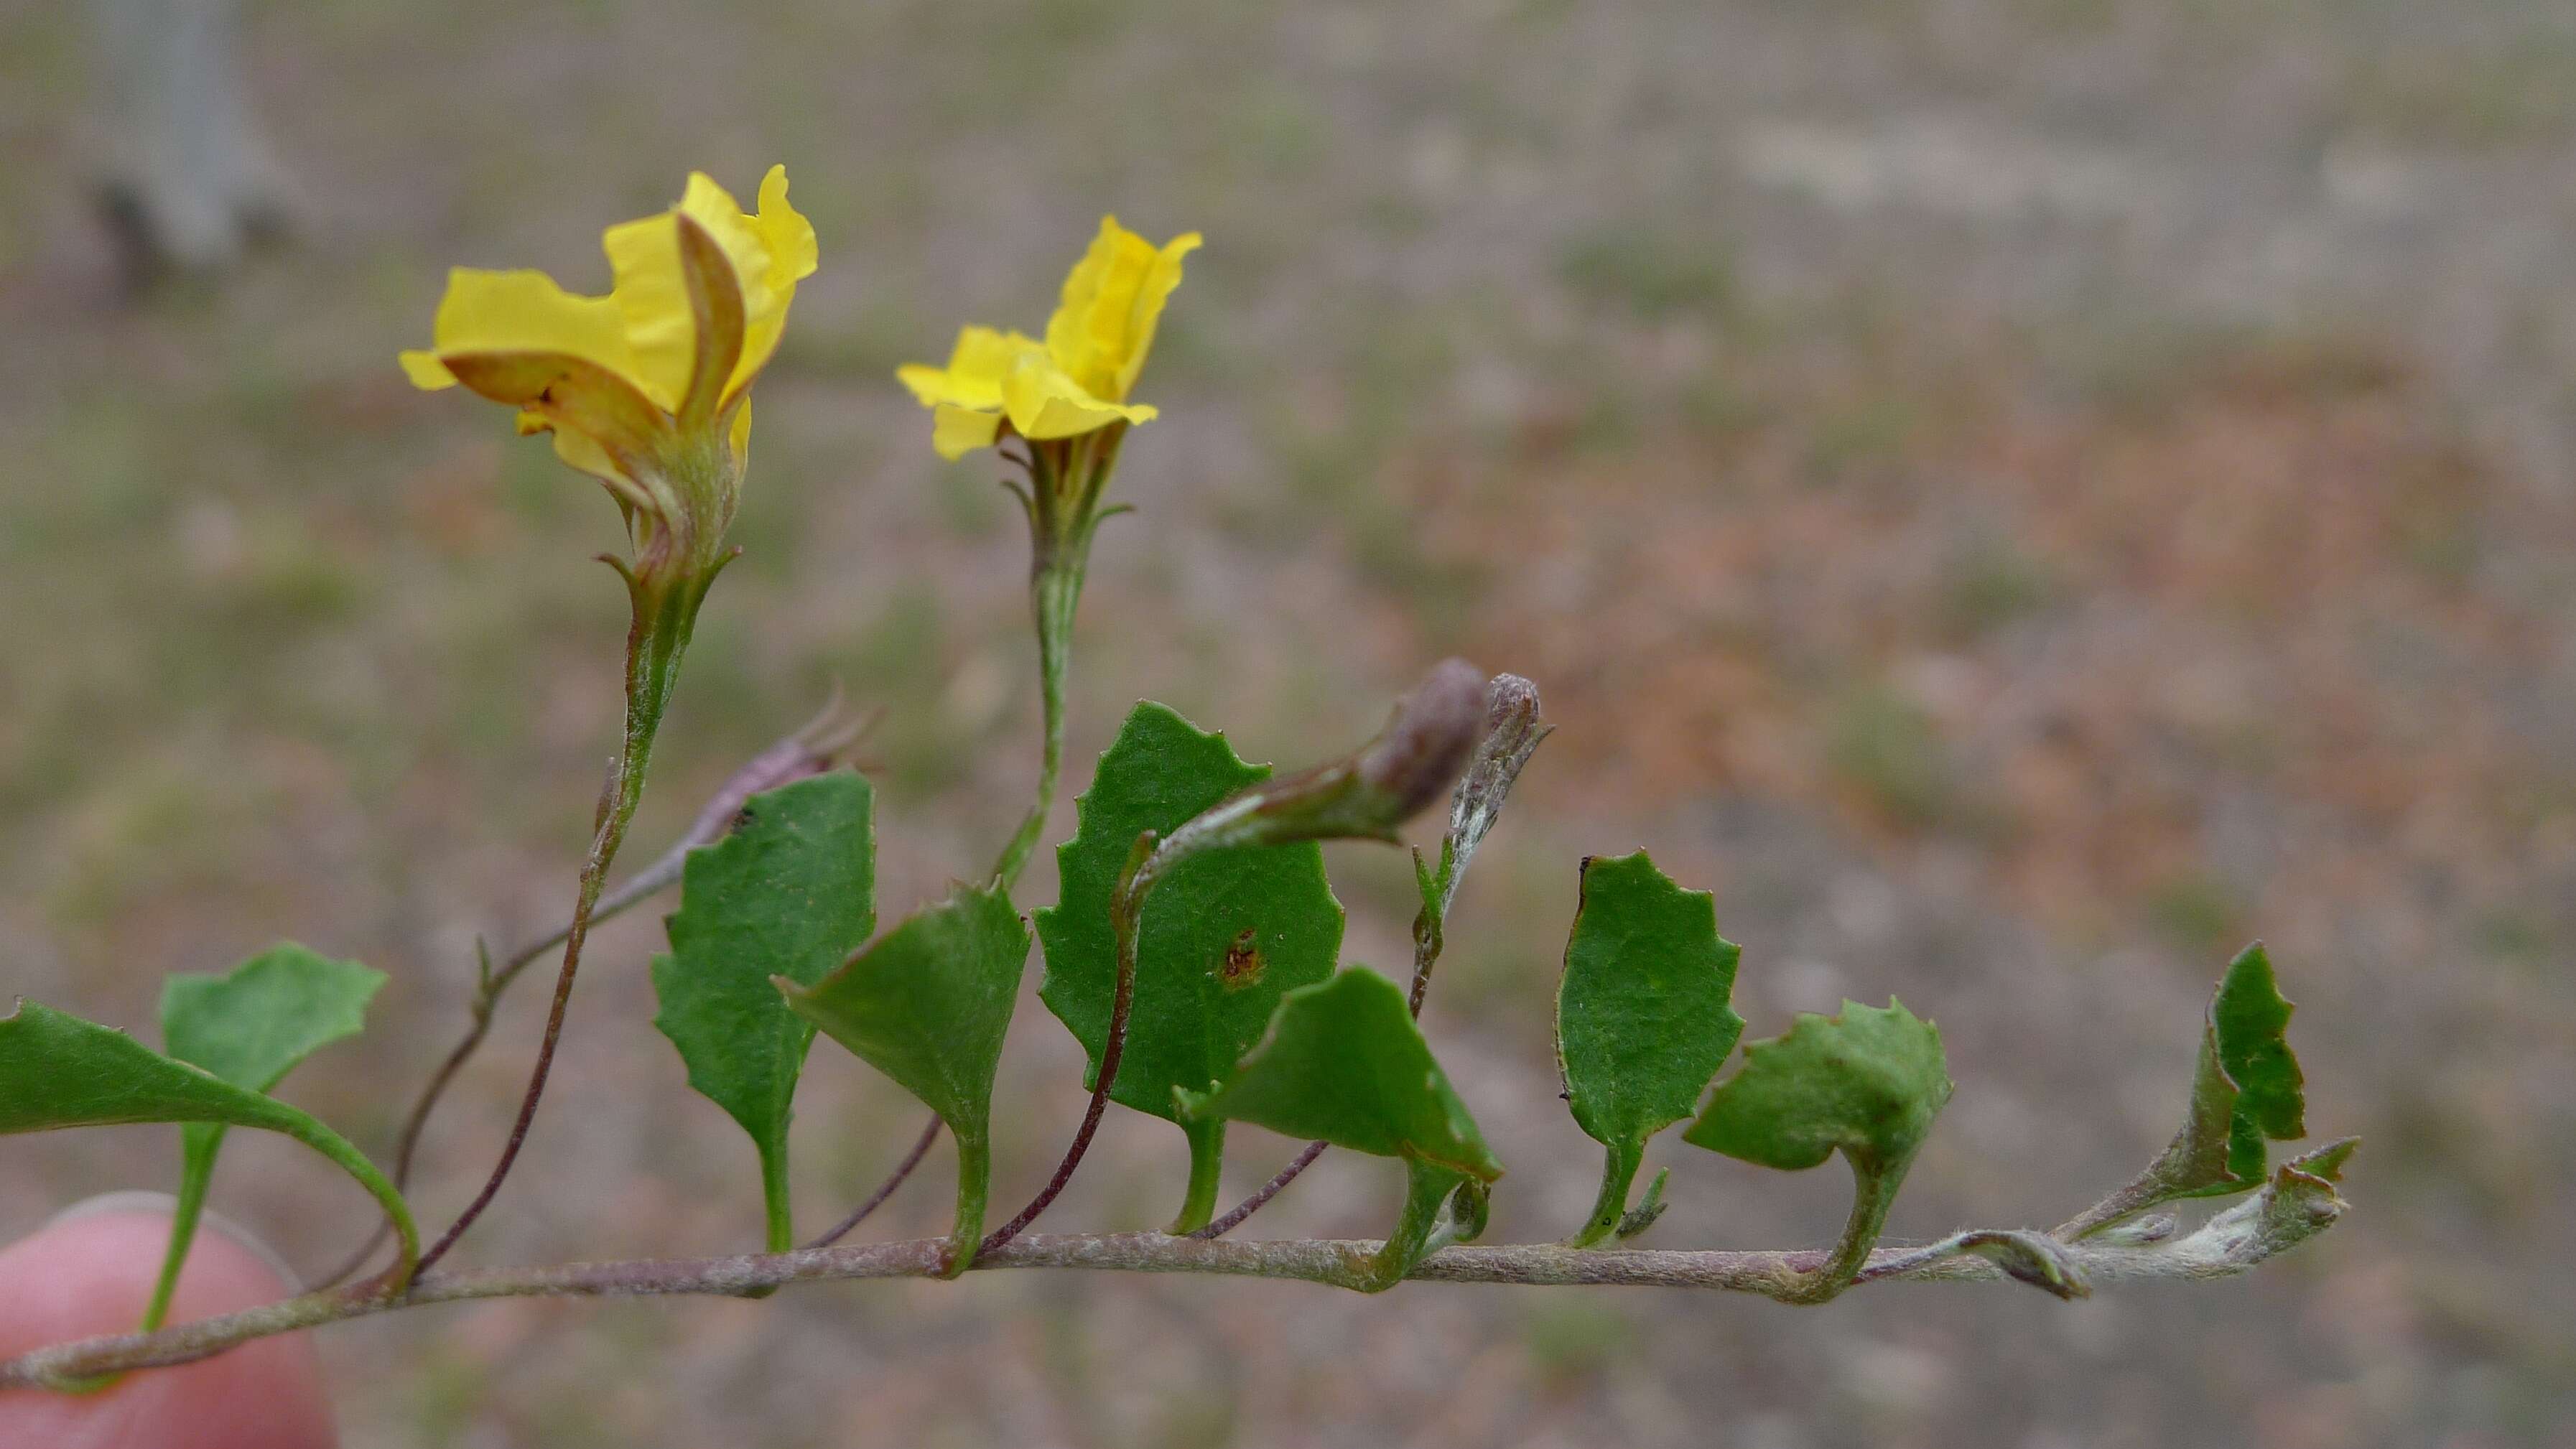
x,y
1193,950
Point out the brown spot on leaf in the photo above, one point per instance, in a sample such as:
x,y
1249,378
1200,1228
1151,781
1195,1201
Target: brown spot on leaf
x,y
1244,963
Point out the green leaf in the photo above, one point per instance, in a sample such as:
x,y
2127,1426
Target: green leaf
x,y
59,1071
790,893
1642,1020
1223,937
2246,1087
1868,1082
250,1028
928,1006
1345,1062
253,1025
2248,1019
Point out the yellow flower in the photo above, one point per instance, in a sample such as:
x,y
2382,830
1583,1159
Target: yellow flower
x,y
1077,380
647,388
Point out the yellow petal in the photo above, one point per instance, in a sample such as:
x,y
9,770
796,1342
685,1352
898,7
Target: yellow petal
x,y
1104,324
425,370
1045,403
786,232
774,251
652,299
768,253
957,431
975,371
520,311
584,452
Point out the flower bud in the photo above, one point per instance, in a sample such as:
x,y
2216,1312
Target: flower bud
x,y
1427,742
1365,794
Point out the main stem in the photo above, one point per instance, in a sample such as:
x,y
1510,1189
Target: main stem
x,y
665,613
2286,1212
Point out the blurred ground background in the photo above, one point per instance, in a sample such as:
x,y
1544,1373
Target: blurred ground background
x,y
2016,496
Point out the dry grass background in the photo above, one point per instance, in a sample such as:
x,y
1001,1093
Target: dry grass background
x,y
2017,496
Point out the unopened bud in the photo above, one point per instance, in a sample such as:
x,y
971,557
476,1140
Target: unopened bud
x,y
1423,748
1365,794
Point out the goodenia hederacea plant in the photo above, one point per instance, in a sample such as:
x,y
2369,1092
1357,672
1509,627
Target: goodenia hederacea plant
x,y
1867,1084
57,1071
1192,950
1230,932
648,390
1642,1017
2246,1090
788,895
1344,1063
248,1027
928,1006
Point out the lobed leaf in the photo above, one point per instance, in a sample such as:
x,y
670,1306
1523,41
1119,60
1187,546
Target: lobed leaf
x,y
1224,937
249,1027
1867,1082
789,894
1642,1014
929,1005
2246,1089
254,1024
1345,1062
57,1070
2248,1021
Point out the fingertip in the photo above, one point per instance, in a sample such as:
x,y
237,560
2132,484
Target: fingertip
x,y
90,1271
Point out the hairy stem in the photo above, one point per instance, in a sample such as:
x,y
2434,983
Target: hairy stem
x,y
2290,1209
664,617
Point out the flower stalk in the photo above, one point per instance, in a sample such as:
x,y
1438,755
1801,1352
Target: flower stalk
x,y
647,390
666,614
